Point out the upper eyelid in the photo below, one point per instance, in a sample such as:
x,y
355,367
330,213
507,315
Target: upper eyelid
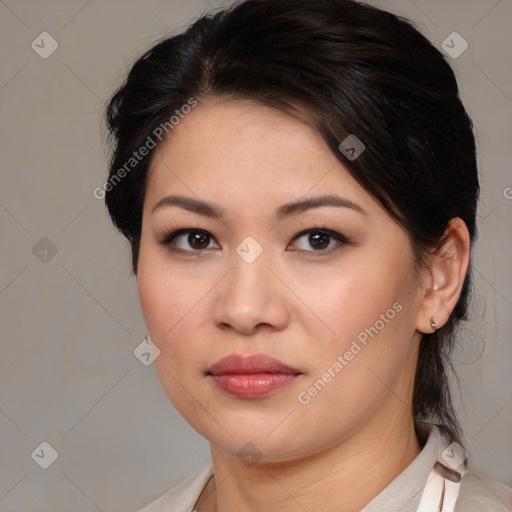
x,y
330,232
335,235
168,238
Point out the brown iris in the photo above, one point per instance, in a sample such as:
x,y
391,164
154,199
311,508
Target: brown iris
x,y
319,240
198,240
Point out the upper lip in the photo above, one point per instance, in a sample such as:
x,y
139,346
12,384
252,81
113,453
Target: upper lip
x,y
258,363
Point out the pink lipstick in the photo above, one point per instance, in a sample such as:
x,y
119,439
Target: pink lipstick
x,y
252,376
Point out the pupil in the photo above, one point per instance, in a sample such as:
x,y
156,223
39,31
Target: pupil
x,y
198,240
319,240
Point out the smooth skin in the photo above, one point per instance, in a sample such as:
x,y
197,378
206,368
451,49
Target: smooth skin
x,y
303,301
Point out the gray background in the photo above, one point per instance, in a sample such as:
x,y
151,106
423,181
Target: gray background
x,y
71,320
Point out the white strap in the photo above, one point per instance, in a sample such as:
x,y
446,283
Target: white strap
x,y
451,491
432,494
439,495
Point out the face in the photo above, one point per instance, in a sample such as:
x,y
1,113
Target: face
x,y
282,296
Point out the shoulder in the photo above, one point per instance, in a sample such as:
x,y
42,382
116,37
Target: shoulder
x,y
182,497
479,494
475,493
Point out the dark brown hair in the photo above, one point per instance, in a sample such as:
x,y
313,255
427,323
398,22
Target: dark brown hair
x,y
345,68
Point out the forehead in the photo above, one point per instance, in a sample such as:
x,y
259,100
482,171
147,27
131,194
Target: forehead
x,y
245,151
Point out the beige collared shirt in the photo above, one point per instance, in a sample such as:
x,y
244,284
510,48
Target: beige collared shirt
x,y
403,494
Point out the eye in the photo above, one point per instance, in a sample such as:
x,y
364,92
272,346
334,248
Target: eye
x,y
189,240
319,240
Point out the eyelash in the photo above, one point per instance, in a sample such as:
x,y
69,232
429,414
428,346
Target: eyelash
x,y
169,239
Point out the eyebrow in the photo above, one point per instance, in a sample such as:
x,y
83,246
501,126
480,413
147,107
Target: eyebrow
x,y
190,204
286,210
315,202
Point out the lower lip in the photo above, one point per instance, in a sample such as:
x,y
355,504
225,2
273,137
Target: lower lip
x,y
253,385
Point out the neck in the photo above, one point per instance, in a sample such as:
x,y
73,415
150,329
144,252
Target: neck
x,y
352,472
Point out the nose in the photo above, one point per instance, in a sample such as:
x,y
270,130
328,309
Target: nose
x,y
250,299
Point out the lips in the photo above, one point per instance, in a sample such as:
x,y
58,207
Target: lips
x,y
252,376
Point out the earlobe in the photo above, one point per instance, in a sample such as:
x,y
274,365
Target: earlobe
x,y
447,271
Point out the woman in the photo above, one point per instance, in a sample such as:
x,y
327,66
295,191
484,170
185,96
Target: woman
x,y
298,183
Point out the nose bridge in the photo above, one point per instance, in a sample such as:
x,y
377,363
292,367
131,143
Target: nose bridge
x,y
248,282
249,295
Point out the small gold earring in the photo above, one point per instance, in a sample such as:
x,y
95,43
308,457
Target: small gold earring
x,y
433,325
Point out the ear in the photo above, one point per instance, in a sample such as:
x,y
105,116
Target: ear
x,y
447,268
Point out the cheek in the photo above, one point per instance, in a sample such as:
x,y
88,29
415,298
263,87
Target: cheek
x,y
368,309
165,292
348,302
175,307
157,299
352,373
170,308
